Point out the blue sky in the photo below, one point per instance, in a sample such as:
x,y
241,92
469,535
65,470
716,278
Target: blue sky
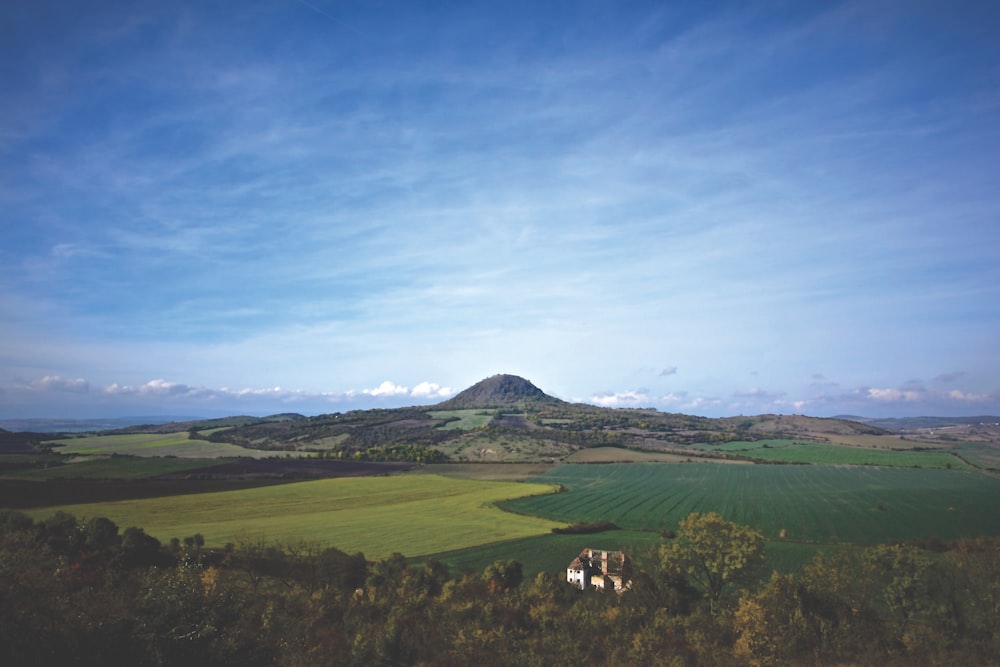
x,y
714,208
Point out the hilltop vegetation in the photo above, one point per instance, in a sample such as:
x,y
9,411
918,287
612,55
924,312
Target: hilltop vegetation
x,y
83,591
505,418
246,560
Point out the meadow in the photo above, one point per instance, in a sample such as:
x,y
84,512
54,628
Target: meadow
x,y
552,553
816,503
794,451
409,514
153,444
466,419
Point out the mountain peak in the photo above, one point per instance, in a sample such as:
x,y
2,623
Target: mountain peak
x,y
498,391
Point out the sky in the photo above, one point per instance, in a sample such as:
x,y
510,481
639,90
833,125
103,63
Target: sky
x,y
715,208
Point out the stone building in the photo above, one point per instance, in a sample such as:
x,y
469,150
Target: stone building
x,y
597,568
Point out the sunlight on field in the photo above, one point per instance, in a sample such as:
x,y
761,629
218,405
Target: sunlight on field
x,y
467,419
412,515
794,451
154,444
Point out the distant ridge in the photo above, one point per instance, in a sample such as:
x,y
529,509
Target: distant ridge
x,y
499,391
897,424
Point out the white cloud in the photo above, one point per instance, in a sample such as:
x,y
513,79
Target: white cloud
x,y
162,390
57,383
431,390
896,395
387,388
157,388
669,370
959,395
625,398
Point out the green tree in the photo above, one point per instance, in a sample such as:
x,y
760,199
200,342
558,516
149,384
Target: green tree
x,y
714,554
504,575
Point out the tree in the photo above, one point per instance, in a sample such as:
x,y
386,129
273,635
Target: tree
x,y
504,575
714,554
100,534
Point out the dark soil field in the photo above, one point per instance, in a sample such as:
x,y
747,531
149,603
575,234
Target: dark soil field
x,y
295,468
228,476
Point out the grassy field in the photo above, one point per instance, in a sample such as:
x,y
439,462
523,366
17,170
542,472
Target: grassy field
x,y
411,514
153,444
467,419
546,553
822,504
881,441
794,451
552,553
983,454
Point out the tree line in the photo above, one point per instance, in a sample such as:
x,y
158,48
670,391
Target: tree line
x,y
81,592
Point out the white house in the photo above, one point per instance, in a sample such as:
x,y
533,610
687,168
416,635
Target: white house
x,y
597,568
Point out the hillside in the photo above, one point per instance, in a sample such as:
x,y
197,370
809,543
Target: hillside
x,y
508,418
499,391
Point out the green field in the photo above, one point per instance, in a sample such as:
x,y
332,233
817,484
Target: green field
x,y
412,514
552,553
546,553
153,444
795,451
983,454
821,504
467,419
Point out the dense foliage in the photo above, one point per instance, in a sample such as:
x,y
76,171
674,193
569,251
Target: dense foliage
x,y
79,593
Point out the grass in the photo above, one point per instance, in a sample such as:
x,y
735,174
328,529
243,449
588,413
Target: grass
x,y
552,553
410,514
880,441
153,444
984,454
794,451
467,419
545,553
818,504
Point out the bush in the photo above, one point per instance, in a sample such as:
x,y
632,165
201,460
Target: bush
x,y
585,528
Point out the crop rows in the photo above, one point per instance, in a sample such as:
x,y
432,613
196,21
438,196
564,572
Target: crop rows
x,y
791,451
825,504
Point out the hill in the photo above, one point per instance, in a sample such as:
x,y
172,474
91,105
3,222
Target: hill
x,y
499,391
507,418
900,424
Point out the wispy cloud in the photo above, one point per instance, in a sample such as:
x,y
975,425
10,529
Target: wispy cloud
x,y
622,399
158,394
314,192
